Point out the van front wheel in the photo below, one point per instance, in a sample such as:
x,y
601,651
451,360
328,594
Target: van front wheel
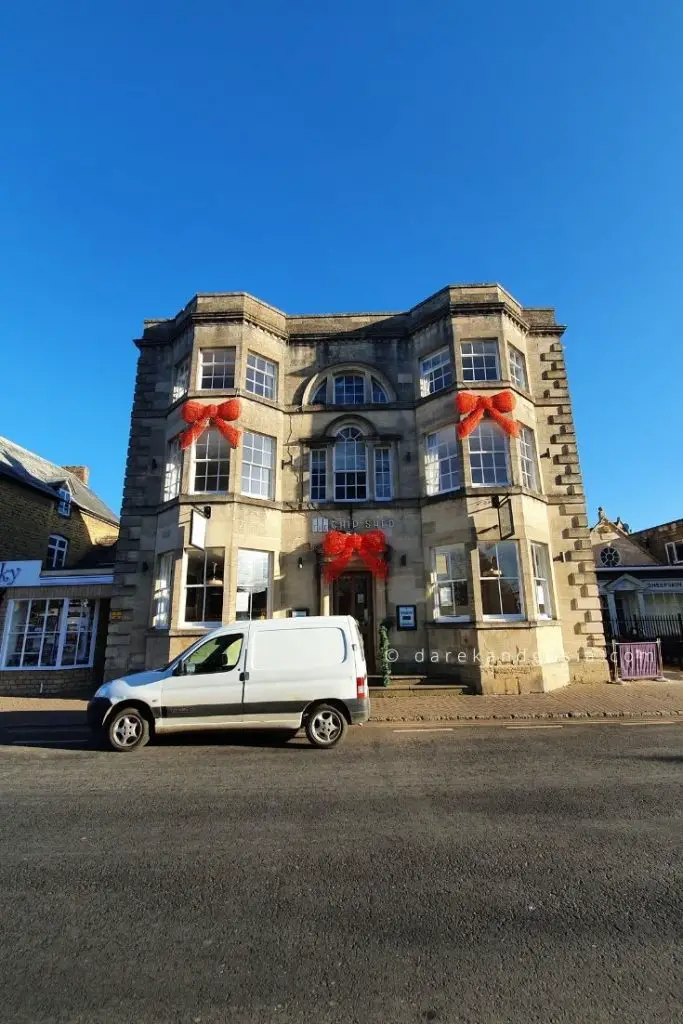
x,y
325,726
127,729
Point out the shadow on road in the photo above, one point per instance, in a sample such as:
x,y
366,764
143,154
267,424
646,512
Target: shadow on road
x,y
59,729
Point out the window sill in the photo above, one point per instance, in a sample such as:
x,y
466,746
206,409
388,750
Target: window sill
x,y
45,668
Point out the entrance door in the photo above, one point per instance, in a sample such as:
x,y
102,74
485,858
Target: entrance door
x,y
352,595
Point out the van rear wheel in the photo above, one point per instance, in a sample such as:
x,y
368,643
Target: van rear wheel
x,y
325,726
127,729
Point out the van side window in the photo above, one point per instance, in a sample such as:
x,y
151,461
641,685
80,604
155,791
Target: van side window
x,y
219,654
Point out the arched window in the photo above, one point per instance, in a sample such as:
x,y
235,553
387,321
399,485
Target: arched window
x,y
350,466
489,456
57,547
350,387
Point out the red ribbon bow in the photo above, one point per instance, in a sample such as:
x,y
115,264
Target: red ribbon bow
x,y
200,416
476,406
341,547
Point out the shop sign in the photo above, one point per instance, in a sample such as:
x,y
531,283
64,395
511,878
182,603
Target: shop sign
x,y
321,524
20,574
676,585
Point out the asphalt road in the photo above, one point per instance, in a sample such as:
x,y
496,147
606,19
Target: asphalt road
x,y
491,876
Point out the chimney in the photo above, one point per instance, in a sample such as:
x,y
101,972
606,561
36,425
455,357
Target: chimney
x,y
82,472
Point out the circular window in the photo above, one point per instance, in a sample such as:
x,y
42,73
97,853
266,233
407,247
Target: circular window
x,y
610,556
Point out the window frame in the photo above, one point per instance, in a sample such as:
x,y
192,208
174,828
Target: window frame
x,y
317,452
472,342
530,479
182,371
490,429
522,384
670,548
362,442
610,564
224,447
270,496
265,373
62,549
446,550
167,558
502,616
204,623
436,463
61,633
65,500
371,381
534,547
387,470
269,587
347,375
174,461
447,363
203,352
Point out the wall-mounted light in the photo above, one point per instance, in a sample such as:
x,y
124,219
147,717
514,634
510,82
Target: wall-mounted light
x,y
215,581
154,463
300,562
407,456
207,511
404,559
559,558
145,566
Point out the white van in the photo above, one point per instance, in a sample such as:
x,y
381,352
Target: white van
x,y
267,673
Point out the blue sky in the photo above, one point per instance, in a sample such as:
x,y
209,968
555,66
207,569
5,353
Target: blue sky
x,y
344,157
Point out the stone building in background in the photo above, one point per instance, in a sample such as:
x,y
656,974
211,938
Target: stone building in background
x,y
56,575
349,423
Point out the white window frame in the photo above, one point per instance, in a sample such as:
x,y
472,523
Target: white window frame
x,y
371,382
436,367
319,454
528,458
205,623
203,354
181,377
224,457
382,449
173,470
447,438
489,430
269,587
375,383
250,440
55,550
65,501
261,376
61,632
518,370
361,442
352,375
502,616
163,591
542,578
478,349
671,554
450,582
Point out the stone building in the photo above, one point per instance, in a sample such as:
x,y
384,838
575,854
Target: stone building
x,y
348,423
640,578
56,575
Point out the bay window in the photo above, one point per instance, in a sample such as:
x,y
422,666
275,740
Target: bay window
x,y
253,584
161,598
211,463
527,454
181,378
450,581
204,586
261,376
518,368
436,372
480,360
488,447
258,465
217,369
172,469
318,474
540,561
382,456
50,633
501,594
442,461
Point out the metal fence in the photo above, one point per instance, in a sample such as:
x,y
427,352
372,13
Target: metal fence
x,y
667,628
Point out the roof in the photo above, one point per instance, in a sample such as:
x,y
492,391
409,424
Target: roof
x,y
36,472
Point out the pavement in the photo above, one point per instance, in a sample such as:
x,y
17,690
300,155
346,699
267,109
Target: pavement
x,y
599,700
525,873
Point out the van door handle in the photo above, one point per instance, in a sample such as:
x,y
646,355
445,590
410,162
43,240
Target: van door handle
x,y
244,676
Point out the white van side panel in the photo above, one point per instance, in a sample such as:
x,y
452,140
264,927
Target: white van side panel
x,y
288,668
